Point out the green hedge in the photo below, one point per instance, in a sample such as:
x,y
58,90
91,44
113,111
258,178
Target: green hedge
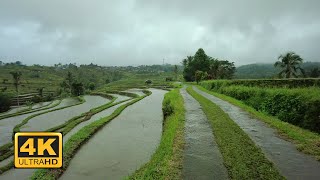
x,y
299,106
284,83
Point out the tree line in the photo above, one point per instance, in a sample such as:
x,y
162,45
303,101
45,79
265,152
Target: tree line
x,y
201,66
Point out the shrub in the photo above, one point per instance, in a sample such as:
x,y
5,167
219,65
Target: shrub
x,y
298,106
5,102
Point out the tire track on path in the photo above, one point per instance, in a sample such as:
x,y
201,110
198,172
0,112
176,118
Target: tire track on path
x,y
202,158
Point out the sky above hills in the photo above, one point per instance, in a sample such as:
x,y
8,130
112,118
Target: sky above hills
x,y
135,32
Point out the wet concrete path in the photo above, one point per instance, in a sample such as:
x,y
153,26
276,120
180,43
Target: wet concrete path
x,y
202,158
123,145
291,163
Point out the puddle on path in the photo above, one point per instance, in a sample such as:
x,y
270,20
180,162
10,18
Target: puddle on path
x,y
123,145
202,158
290,162
55,118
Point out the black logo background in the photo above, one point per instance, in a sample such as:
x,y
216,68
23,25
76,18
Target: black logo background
x,y
54,145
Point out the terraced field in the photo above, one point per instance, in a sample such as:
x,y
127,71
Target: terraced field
x,y
185,133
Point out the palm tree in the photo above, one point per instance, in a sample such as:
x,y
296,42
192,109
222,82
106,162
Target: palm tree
x,y
289,63
16,81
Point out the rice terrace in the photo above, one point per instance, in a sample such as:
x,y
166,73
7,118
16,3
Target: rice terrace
x,y
159,90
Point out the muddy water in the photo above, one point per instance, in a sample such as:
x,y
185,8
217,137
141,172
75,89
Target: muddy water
x,y
135,91
202,158
40,105
7,125
96,117
290,162
123,145
52,119
120,97
14,110
5,137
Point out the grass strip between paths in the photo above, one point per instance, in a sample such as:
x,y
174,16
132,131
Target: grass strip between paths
x,y
78,139
166,162
306,141
242,158
30,111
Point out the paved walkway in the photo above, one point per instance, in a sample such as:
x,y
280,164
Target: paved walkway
x,y
202,158
291,163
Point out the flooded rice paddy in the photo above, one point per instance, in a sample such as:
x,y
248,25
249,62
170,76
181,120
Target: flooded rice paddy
x,y
7,125
123,145
55,118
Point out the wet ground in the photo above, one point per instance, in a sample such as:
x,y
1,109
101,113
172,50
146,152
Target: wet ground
x,y
40,105
55,118
290,162
123,145
135,91
14,110
7,125
97,116
202,158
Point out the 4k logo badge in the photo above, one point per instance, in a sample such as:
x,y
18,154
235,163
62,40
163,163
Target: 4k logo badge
x,y
38,150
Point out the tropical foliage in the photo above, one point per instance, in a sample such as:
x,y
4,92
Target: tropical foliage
x,y
290,64
298,106
215,68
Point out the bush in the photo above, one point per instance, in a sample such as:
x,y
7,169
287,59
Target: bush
x,y
299,106
272,83
5,102
167,108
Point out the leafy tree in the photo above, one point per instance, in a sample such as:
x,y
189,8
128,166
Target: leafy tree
x,y
289,63
92,86
315,72
215,69
67,83
176,71
200,75
5,102
16,81
77,88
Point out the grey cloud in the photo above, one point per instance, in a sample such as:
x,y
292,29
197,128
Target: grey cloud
x,y
146,31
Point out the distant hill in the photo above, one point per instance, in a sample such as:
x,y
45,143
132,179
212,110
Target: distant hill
x,y
258,71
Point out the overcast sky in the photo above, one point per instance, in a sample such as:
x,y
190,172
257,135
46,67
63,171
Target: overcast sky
x,y
136,32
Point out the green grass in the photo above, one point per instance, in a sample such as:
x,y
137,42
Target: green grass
x,y
242,158
166,162
305,140
75,142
